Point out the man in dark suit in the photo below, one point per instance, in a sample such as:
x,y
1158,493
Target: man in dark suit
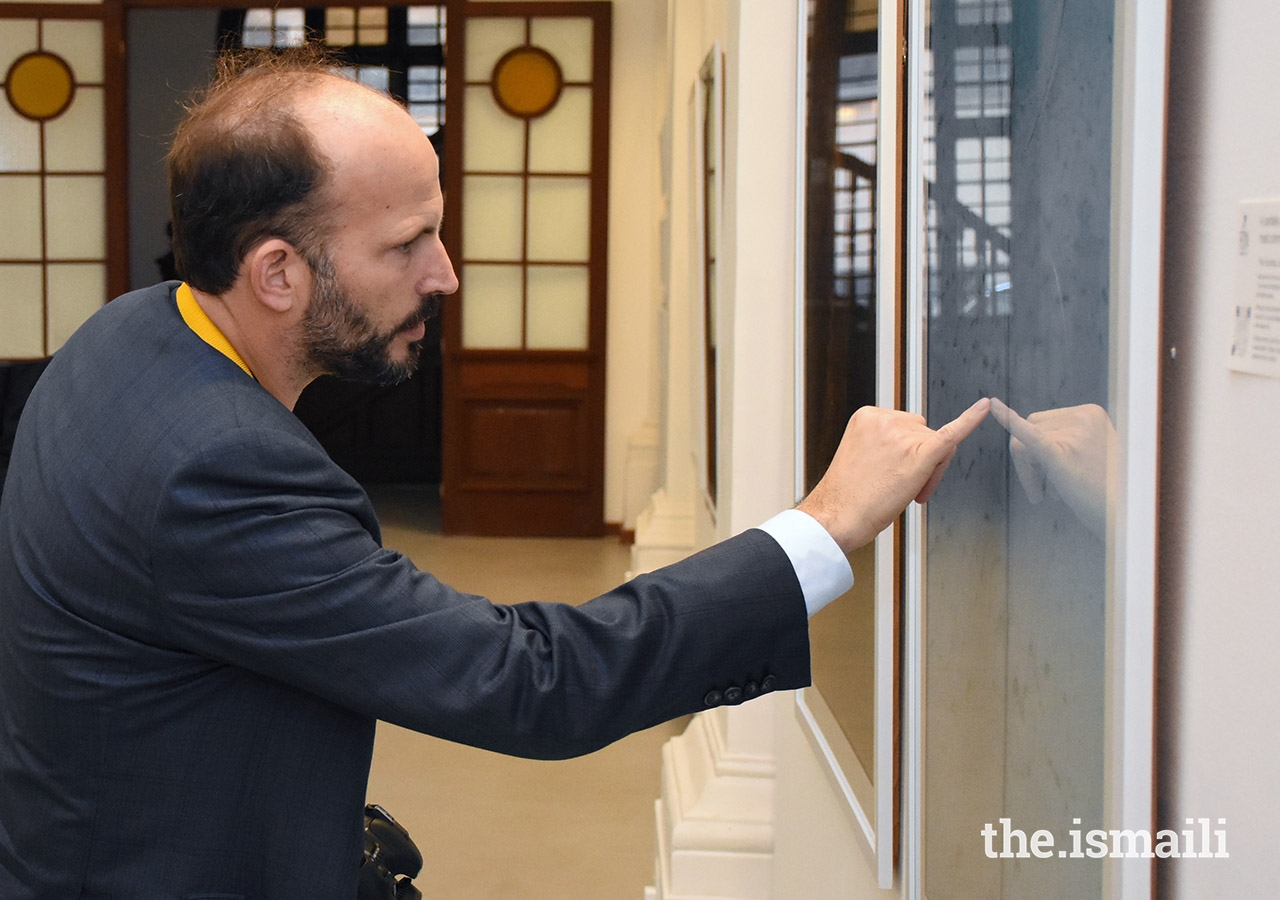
x,y
199,626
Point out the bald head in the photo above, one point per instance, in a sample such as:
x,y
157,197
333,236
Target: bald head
x,y
370,144
259,154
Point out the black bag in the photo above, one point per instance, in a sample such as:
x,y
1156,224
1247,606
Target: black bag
x,y
391,859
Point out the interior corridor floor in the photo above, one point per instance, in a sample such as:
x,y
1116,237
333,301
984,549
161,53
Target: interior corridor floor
x,y
491,827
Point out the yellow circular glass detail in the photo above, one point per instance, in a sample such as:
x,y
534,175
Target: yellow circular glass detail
x,y
527,82
40,85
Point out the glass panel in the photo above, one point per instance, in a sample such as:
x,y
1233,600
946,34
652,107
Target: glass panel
x,y
274,28
340,26
560,219
560,141
290,27
492,306
75,206
426,97
559,301
527,82
426,25
492,141
75,293
79,43
376,77
74,140
494,219
20,225
487,40
569,41
371,25
259,28
18,36
19,142
22,311
1017,217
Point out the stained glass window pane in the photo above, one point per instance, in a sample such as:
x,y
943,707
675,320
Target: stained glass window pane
x,y
80,44
76,209
569,41
491,229
487,40
75,293
560,141
74,140
19,142
558,307
18,36
22,336
492,141
560,219
491,307
20,224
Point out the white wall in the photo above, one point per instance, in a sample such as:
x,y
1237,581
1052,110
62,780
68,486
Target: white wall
x,y
1220,490
631,382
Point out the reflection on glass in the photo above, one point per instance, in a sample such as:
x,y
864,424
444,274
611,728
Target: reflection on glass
x,y
840,325
1068,454
1016,160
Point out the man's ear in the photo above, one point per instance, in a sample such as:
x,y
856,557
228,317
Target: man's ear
x,y
278,275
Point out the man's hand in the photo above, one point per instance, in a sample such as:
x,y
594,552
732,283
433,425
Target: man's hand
x,y
885,460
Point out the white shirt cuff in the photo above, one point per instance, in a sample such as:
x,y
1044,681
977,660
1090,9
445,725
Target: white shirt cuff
x,y
821,566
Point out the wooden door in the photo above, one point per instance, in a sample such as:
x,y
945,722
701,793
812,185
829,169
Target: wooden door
x,y
59,179
527,206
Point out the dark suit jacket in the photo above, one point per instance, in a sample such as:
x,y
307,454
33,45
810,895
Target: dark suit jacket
x,y
199,627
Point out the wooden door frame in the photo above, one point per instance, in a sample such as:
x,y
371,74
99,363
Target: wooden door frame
x,y
115,162
457,515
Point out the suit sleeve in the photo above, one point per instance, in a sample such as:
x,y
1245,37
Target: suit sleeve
x,y
267,559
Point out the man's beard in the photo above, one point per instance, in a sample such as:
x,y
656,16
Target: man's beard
x,y
338,338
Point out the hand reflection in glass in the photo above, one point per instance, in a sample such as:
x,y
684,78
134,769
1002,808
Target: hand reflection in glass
x,y
1068,452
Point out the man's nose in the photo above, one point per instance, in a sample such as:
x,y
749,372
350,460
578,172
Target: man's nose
x,y
440,278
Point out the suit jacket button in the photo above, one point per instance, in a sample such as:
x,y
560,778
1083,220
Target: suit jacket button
x,y
750,689
733,695
768,683
713,698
